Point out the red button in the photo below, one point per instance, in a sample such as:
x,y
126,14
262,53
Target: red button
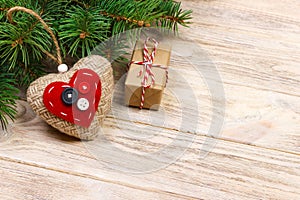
x,y
84,88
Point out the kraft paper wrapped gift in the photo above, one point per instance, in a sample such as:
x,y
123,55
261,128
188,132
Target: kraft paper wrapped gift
x,y
133,85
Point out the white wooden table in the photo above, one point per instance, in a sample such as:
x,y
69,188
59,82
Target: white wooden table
x,y
255,47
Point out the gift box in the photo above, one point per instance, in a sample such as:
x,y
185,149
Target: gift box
x,y
147,78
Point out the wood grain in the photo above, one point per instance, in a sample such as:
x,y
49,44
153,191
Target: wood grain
x,y
230,170
22,181
254,46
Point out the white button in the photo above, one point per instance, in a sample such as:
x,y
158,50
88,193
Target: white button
x,y
62,68
83,104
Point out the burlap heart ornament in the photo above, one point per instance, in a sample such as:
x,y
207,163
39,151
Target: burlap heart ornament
x,y
38,88
74,102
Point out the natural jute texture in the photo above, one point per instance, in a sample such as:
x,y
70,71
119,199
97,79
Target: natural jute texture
x,y
35,97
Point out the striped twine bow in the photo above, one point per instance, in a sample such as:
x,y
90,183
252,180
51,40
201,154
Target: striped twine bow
x,y
146,68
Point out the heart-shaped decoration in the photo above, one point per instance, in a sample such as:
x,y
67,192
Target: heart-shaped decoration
x,y
75,102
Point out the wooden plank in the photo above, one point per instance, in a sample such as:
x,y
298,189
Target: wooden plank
x,y
255,46
22,181
230,170
241,36
283,8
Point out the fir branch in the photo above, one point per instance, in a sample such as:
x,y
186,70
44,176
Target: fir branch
x,y
8,97
82,29
80,3
139,23
173,15
129,14
18,42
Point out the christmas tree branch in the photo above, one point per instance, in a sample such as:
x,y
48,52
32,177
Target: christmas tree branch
x,y
80,3
58,58
140,23
8,97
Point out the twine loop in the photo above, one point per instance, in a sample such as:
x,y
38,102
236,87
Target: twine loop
x,y
58,57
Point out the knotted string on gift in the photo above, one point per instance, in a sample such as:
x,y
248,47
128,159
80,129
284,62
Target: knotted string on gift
x,y
146,68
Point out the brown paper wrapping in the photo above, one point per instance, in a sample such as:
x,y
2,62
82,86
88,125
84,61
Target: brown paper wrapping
x,y
133,88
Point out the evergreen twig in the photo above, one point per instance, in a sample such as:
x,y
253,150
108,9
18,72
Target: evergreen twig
x,y
7,98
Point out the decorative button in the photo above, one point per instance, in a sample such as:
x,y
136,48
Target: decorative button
x,y
62,68
83,104
69,96
84,88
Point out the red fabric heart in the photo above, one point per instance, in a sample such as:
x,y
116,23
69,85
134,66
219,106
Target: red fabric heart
x,y
88,85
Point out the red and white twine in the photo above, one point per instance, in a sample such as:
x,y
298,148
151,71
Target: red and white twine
x,y
146,68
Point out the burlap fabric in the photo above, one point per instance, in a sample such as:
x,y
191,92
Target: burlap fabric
x,y
35,97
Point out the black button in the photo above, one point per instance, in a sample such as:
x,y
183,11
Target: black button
x,y
69,96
